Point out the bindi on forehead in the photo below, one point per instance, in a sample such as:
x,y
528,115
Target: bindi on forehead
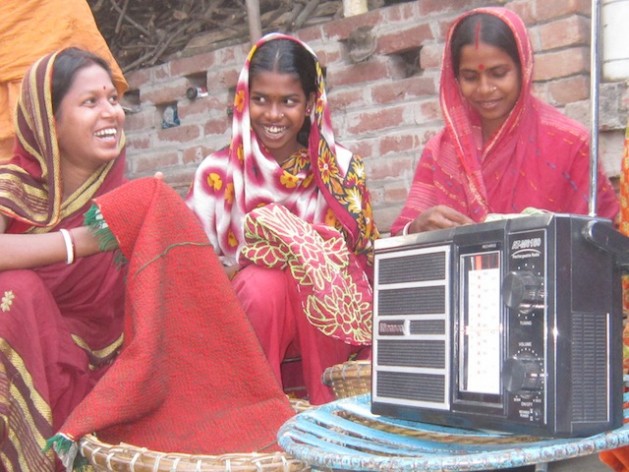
x,y
481,66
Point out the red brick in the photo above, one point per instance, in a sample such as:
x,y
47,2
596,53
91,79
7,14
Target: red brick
x,y
310,34
194,155
430,110
377,120
193,64
434,7
524,9
562,63
217,126
546,9
430,56
571,89
391,167
402,12
358,73
154,161
165,92
138,142
399,143
405,39
181,134
403,89
571,31
138,78
222,79
187,108
341,29
342,99
162,71
364,149
145,119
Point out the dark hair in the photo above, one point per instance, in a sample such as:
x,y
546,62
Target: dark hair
x,y
486,28
67,63
286,56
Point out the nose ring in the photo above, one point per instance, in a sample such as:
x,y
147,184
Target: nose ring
x,y
281,115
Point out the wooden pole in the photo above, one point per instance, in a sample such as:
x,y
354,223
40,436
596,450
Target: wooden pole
x,y
255,24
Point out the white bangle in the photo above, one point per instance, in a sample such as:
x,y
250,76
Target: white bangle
x,y
406,228
67,238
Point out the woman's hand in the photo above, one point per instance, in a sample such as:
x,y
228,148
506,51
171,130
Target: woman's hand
x,y
27,251
438,217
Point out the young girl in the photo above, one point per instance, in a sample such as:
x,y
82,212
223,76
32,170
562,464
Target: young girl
x,y
502,149
303,201
61,320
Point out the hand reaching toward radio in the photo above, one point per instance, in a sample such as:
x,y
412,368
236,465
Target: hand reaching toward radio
x,y
438,217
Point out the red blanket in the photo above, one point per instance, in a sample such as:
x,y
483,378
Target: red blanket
x,y
191,376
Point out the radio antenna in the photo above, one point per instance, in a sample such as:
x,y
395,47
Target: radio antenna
x,y
595,77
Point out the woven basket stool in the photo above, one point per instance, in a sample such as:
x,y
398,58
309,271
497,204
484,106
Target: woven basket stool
x,y
103,457
349,378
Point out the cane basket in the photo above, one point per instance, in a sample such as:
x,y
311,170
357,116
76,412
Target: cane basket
x,y
123,457
349,378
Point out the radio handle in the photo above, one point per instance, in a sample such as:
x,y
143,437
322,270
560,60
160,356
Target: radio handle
x,y
604,236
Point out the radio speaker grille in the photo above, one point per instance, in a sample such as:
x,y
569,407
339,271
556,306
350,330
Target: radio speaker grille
x,y
412,301
412,268
419,387
589,367
430,354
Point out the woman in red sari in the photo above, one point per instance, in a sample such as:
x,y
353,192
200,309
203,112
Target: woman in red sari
x,y
501,150
287,211
61,312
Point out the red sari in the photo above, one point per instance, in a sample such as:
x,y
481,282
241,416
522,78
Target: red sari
x,y
61,325
538,158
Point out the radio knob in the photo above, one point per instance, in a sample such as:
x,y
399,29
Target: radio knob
x,y
520,374
523,291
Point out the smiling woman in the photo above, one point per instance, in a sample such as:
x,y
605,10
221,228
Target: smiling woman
x,y
61,322
287,210
501,150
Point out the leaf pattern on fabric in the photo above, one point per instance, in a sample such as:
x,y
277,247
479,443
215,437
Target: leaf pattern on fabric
x,y
335,294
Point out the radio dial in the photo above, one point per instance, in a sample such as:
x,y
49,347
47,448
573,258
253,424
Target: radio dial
x,y
523,291
520,374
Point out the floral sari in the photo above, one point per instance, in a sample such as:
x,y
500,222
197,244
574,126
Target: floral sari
x,y
322,185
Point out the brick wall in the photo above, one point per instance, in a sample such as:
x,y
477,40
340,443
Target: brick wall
x,y
385,107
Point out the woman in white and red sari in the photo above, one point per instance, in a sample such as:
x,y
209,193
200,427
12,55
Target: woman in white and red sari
x,y
287,210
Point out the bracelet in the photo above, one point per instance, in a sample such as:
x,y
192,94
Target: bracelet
x,y
67,239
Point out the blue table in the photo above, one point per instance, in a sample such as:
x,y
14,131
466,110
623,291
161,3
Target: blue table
x,y
345,435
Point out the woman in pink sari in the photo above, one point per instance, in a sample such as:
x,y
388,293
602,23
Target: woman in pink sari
x,y
287,211
501,150
61,312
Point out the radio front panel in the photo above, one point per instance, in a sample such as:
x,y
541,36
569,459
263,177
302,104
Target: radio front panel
x,y
493,326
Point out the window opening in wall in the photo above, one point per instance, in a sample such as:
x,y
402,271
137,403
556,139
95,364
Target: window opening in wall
x,y
410,62
198,86
170,115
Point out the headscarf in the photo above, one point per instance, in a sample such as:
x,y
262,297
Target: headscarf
x,y
326,184
31,188
537,153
